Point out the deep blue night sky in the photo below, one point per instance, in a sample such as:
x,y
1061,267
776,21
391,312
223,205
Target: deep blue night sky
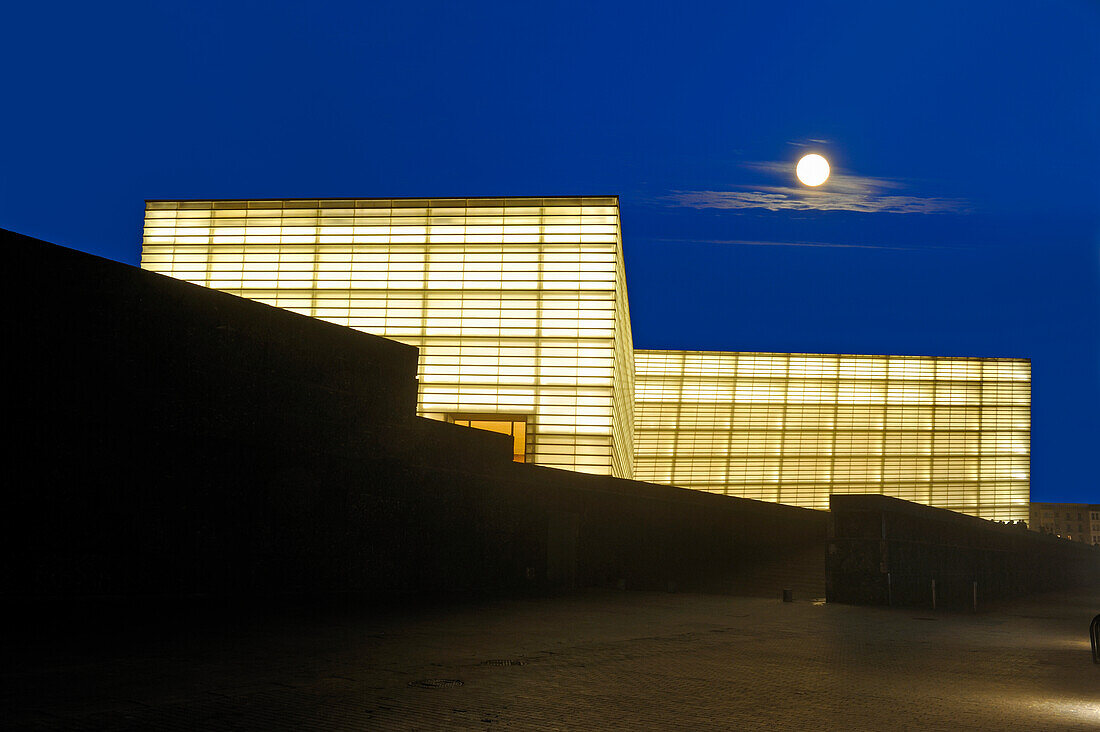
x,y
963,217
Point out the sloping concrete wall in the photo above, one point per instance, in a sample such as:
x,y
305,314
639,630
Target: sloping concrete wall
x,y
885,551
177,440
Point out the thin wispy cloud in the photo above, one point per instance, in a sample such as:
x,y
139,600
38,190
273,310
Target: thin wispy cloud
x,y
830,245
808,142
842,192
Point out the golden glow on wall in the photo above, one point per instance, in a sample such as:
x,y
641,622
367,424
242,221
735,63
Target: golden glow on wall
x,y
518,305
793,428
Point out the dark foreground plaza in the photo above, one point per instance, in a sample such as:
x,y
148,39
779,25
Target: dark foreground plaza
x,y
598,659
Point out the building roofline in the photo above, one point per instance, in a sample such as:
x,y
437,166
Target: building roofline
x,y
386,198
1063,503
858,355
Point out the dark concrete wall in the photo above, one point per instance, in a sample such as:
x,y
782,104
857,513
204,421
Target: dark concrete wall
x,y
177,440
157,420
885,551
511,526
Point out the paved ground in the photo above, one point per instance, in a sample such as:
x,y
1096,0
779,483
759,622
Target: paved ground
x,y
601,659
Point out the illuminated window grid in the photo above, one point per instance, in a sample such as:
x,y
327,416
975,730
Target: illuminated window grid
x,y
517,305
793,428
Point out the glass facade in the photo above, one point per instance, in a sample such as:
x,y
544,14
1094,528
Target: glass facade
x,y
519,309
518,305
793,428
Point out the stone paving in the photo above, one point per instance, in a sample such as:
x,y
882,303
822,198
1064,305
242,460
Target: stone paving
x,y
597,659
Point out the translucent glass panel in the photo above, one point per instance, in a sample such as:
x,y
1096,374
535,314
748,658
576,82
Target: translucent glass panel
x,y
518,305
793,428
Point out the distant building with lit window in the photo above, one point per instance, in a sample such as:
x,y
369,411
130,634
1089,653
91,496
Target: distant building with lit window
x,y
1076,521
519,308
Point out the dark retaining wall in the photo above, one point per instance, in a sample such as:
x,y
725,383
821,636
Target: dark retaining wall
x,y
885,551
176,440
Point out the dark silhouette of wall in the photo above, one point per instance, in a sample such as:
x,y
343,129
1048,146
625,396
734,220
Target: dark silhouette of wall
x,y
173,439
885,551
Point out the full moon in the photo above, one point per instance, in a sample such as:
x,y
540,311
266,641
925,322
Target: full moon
x,y
812,170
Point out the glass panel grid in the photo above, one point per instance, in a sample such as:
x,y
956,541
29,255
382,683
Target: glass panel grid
x,y
518,305
793,428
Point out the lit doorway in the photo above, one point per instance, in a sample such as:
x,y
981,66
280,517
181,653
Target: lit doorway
x,y
512,425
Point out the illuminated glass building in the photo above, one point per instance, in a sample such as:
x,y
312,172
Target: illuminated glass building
x,y
519,309
518,305
794,427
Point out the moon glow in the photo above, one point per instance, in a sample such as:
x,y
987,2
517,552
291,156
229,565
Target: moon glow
x,y
812,170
